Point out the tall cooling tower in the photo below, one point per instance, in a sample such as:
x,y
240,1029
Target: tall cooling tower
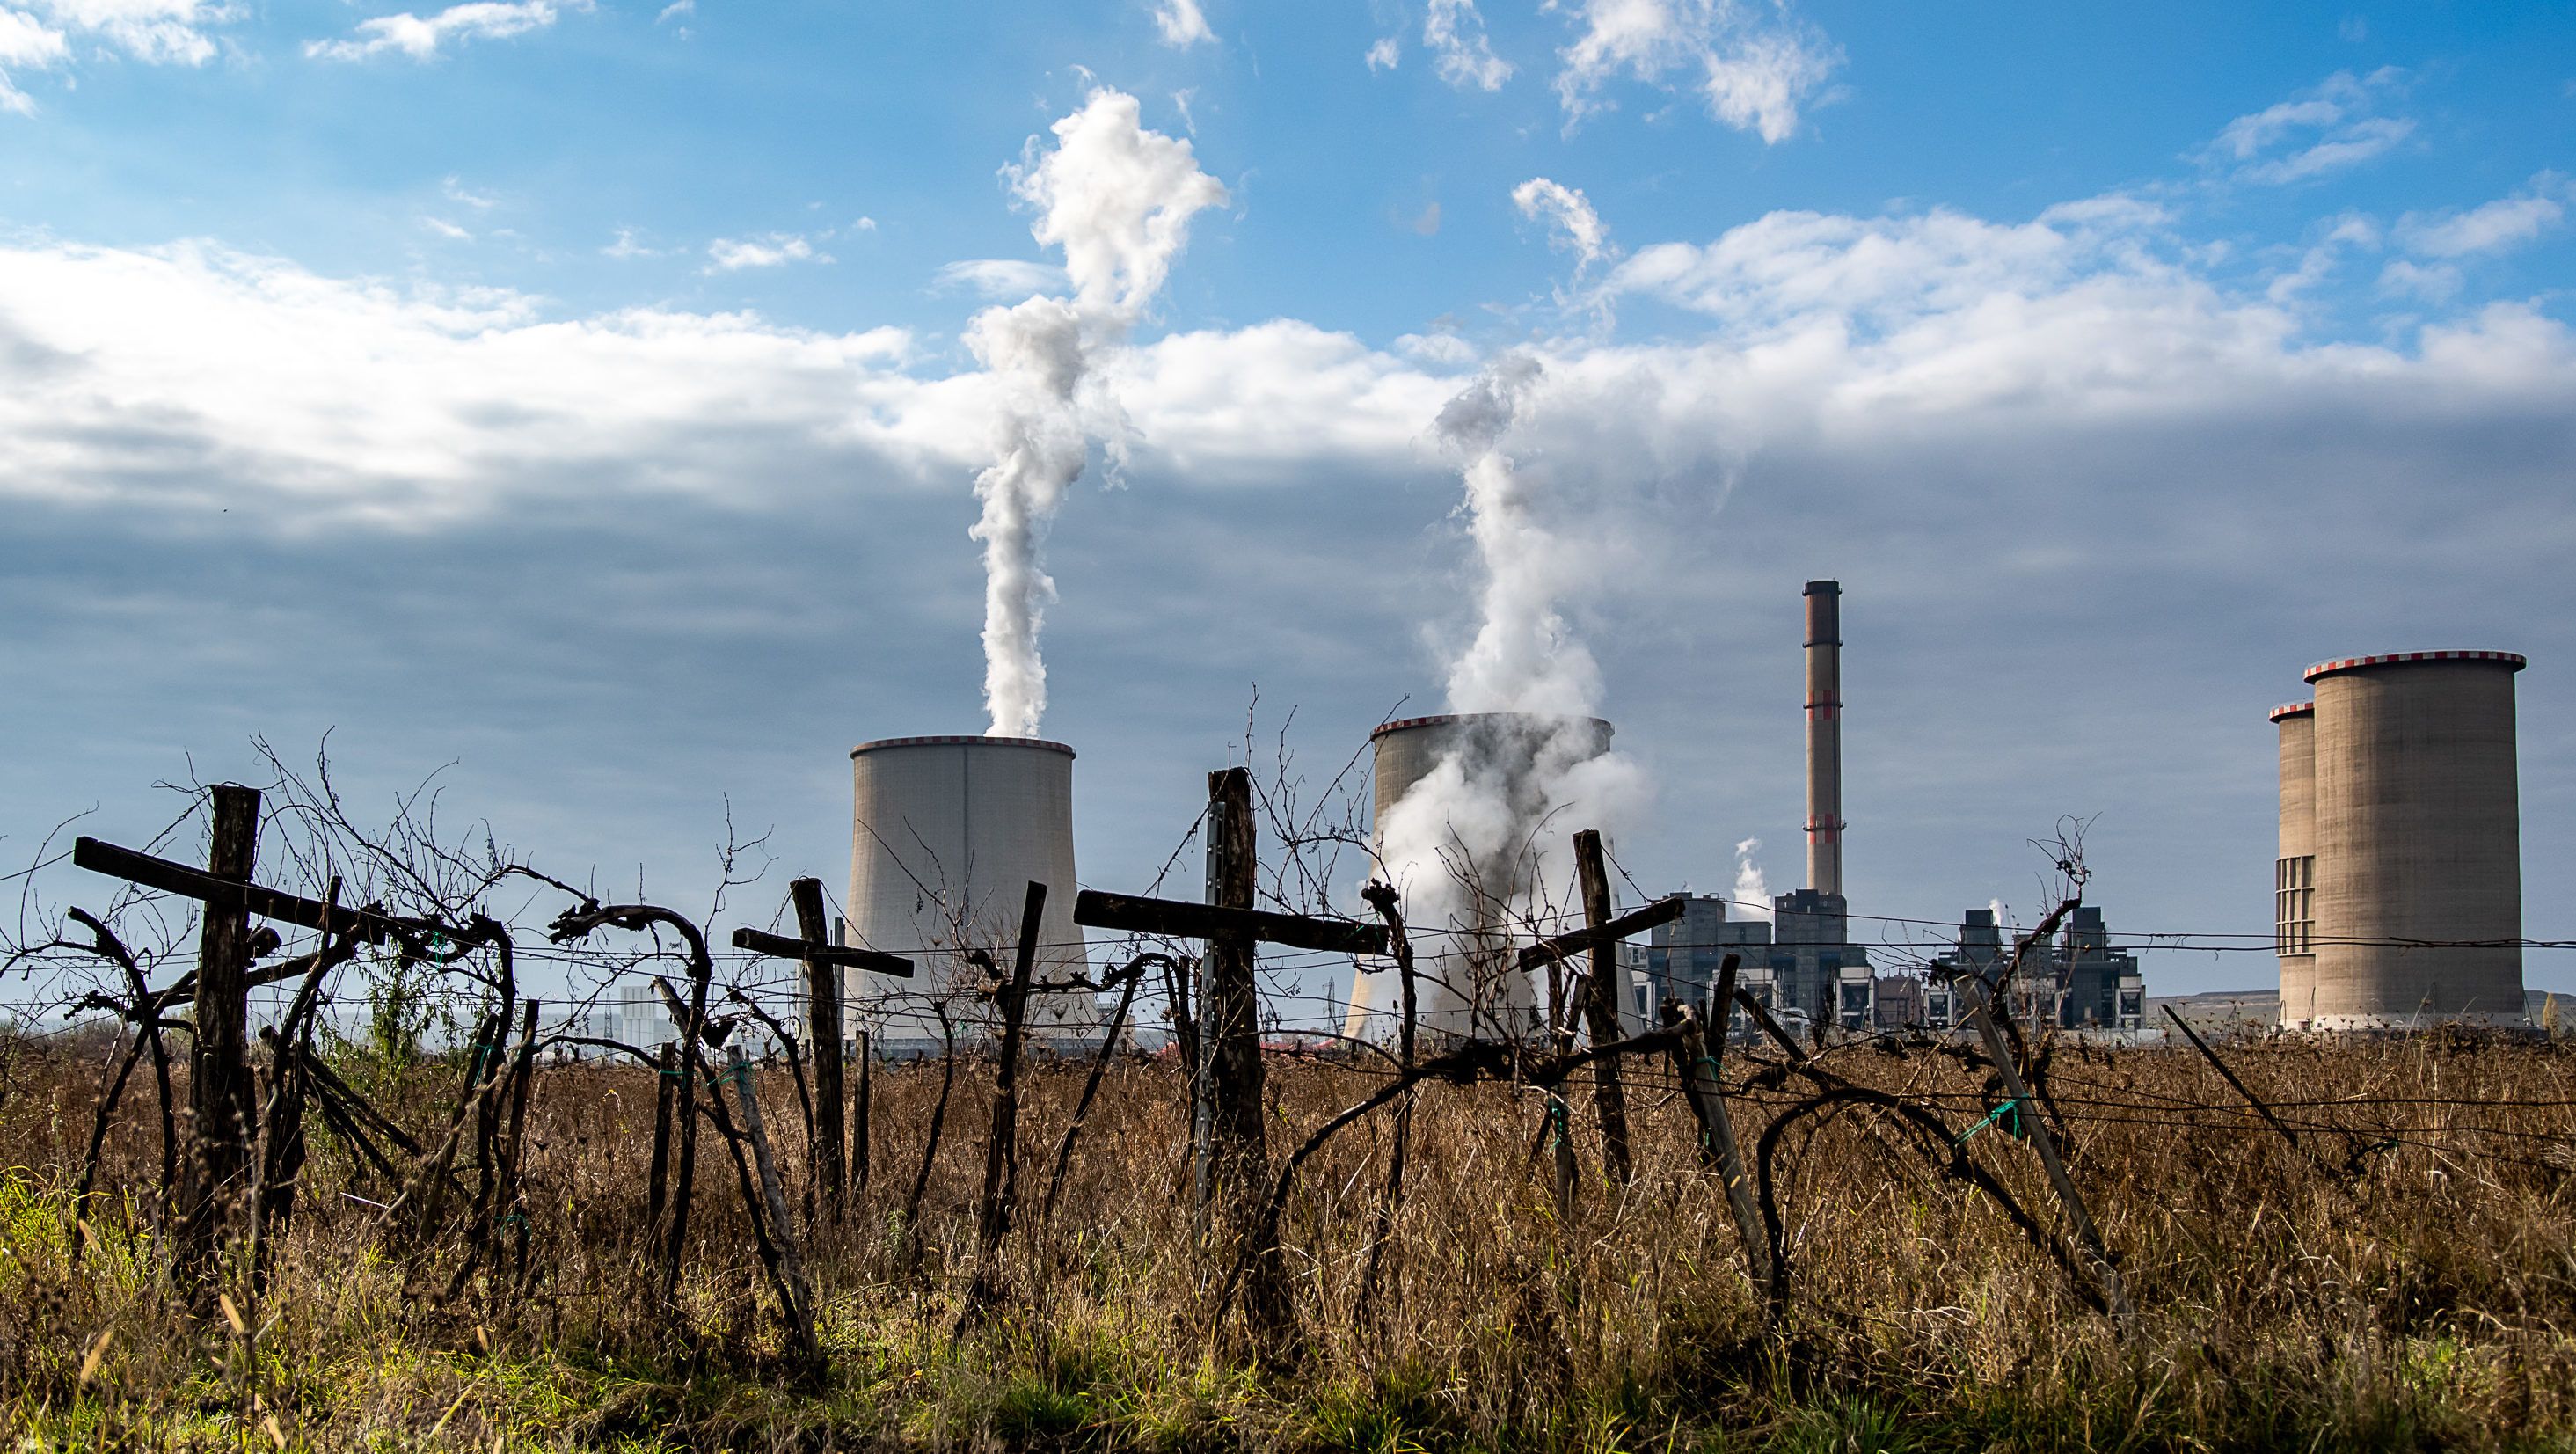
x,y
946,835
2294,871
2418,841
1470,982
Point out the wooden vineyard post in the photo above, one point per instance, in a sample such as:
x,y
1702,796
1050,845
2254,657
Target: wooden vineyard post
x,y
1237,1139
219,1081
1001,1147
859,1122
1230,1013
1697,1063
2045,1143
825,964
823,1033
1601,1007
797,1292
666,1096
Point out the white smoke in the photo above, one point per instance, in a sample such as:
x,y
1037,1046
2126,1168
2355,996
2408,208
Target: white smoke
x,y
1752,891
1118,200
1483,838
1575,226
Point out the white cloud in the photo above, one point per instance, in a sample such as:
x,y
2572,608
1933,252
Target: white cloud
x,y
188,374
1455,35
1573,225
1000,277
2321,258
27,41
1752,64
26,44
2507,222
1874,276
626,246
732,255
157,32
334,399
2433,283
2339,123
675,10
447,229
1384,53
421,39
1441,349
1181,23
168,32
864,224
455,191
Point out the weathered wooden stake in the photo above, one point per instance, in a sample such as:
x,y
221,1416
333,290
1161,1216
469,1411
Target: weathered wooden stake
x,y
1001,1147
859,1129
2045,1143
1601,1007
1697,1062
773,1198
823,1037
666,1094
220,1093
510,1205
1237,1137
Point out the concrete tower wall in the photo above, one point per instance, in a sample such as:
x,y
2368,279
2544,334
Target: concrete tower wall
x,y
946,835
2418,837
2294,870
1825,736
1463,989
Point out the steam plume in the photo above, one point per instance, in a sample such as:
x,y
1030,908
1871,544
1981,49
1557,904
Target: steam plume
x,y
1118,200
1752,891
1485,832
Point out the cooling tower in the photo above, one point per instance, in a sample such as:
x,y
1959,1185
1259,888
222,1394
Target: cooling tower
x,y
2294,871
2418,841
1486,800
946,835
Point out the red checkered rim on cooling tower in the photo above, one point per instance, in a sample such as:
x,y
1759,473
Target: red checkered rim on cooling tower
x,y
2512,660
2292,709
1037,742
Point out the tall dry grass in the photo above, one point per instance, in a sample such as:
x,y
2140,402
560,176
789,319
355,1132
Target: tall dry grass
x,y
2426,1305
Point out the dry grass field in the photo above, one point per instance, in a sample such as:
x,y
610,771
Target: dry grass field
x,y
2403,1278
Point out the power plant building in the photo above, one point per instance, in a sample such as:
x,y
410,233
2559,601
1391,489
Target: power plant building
x,y
2397,889
2077,981
947,833
1802,965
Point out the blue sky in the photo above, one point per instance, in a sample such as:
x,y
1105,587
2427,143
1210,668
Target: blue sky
x,y
581,394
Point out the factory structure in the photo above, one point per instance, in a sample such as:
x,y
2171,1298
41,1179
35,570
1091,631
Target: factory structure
x,y
2397,890
2396,887
1802,963
948,831
2076,981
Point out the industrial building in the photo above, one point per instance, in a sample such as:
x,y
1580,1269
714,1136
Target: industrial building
x,y
1801,964
2076,981
2397,889
947,833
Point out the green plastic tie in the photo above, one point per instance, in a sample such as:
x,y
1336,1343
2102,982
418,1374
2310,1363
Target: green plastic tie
x,y
2009,1111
